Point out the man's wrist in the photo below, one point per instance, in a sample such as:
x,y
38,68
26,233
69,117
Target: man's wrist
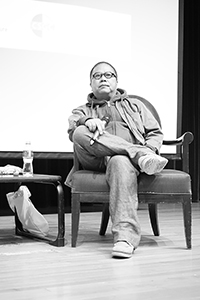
x,y
152,148
82,120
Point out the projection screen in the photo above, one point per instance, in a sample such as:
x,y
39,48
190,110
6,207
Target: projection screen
x,y
47,49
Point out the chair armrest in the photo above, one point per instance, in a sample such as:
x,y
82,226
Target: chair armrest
x,y
186,138
183,148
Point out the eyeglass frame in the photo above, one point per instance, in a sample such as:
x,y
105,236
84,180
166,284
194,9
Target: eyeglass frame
x,y
104,74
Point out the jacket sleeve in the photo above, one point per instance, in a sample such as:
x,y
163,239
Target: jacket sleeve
x,y
153,134
79,116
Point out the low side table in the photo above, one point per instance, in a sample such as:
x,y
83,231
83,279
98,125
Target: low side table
x,y
45,179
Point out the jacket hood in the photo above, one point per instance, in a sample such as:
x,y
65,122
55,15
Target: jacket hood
x,y
93,101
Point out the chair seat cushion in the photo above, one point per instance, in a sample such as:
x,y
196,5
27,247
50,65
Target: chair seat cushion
x,y
168,181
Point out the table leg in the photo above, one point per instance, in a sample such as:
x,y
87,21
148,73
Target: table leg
x,y
60,240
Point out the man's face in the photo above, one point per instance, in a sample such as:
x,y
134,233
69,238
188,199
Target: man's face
x,y
103,88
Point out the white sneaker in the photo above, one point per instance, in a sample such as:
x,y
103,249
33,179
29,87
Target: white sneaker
x,y
122,249
152,163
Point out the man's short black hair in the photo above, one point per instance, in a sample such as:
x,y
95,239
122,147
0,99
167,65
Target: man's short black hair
x,y
103,62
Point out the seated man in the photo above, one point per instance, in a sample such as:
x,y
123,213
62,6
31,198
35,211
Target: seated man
x,y
118,135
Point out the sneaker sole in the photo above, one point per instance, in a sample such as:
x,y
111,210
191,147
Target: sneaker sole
x,y
116,254
154,166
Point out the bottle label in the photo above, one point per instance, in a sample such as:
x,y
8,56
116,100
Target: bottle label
x,y
27,160
28,167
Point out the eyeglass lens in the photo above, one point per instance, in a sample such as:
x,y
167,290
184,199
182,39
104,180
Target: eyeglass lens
x,y
108,75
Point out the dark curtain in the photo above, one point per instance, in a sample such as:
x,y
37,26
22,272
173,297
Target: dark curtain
x,y
191,87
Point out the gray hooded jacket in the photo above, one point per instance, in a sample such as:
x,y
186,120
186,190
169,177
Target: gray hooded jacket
x,y
129,118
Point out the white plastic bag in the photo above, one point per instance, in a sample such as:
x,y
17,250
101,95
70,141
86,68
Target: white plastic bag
x,y
31,219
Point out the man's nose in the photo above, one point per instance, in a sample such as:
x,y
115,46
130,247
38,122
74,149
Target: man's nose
x,y
103,78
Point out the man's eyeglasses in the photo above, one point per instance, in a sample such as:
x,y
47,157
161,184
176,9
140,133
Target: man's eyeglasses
x,y
108,75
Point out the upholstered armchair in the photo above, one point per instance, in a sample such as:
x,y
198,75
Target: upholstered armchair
x,y
168,186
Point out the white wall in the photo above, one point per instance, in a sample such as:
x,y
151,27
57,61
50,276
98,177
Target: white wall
x,y
47,50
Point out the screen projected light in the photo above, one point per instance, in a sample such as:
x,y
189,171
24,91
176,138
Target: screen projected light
x,y
47,50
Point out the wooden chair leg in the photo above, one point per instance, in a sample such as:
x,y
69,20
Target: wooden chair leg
x,y
153,214
75,207
104,219
187,221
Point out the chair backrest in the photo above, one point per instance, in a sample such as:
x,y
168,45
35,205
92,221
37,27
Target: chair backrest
x,y
149,106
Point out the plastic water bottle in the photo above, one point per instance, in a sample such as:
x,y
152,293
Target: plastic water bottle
x,y
27,160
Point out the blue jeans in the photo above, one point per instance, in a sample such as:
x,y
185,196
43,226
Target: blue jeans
x,y
121,174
